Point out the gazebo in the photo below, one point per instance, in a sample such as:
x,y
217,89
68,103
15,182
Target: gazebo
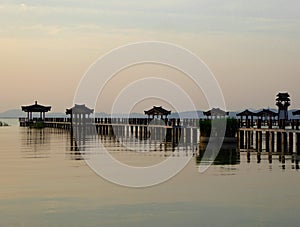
x,y
36,108
215,112
80,113
157,111
247,113
79,122
266,115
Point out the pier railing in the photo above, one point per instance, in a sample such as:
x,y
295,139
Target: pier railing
x,y
269,140
169,130
259,123
119,121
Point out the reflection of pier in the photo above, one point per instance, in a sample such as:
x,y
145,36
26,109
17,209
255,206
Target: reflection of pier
x,y
35,143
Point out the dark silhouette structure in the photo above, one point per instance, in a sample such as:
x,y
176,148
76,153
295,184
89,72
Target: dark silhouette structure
x,y
266,115
157,111
35,108
80,124
215,113
247,113
80,110
283,102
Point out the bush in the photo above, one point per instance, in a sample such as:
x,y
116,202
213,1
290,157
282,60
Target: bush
x,y
231,126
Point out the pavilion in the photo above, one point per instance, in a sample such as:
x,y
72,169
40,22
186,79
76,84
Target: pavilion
x,y
79,113
266,114
215,112
36,108
79,123
157,111
79,109
247,113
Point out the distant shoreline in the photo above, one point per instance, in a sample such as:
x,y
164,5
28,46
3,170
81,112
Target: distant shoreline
x,y
3,124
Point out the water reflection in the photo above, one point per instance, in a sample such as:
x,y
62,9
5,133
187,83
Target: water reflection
x,y
228,155
282,160
35,143
42,143
118,144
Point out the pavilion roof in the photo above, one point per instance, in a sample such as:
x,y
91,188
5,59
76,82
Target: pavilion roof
x,y
266,113
79,109
157,110
215,112
36,108
246,113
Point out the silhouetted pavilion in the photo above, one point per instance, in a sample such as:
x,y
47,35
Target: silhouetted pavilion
x,y
80,113
36,108
79,123
79,110
266,113
215,112
247,113
157,111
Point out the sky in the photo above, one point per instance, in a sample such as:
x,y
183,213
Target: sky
x,y
46,47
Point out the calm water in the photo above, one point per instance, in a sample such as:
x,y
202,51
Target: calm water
x,y
44,183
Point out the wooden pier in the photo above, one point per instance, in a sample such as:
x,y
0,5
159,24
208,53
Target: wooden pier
x,y
270,140
172,130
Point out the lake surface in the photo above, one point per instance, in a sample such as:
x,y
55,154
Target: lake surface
x,y
45,183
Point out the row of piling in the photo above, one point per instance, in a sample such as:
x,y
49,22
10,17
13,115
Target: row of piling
x,y
269,140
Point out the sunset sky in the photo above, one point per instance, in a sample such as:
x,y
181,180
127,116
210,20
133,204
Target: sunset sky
x,y
252,47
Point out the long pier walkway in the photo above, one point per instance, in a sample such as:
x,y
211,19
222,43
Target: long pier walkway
x,y
269,140
173,130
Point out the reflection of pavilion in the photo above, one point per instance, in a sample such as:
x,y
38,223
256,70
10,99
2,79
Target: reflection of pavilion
x,y
35,143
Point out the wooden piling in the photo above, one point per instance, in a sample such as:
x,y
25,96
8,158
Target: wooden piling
x,y
298,143
284,142
272,141
242,137
279,141
267,141
291,142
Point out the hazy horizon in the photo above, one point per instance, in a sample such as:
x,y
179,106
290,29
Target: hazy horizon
x,y
251,47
